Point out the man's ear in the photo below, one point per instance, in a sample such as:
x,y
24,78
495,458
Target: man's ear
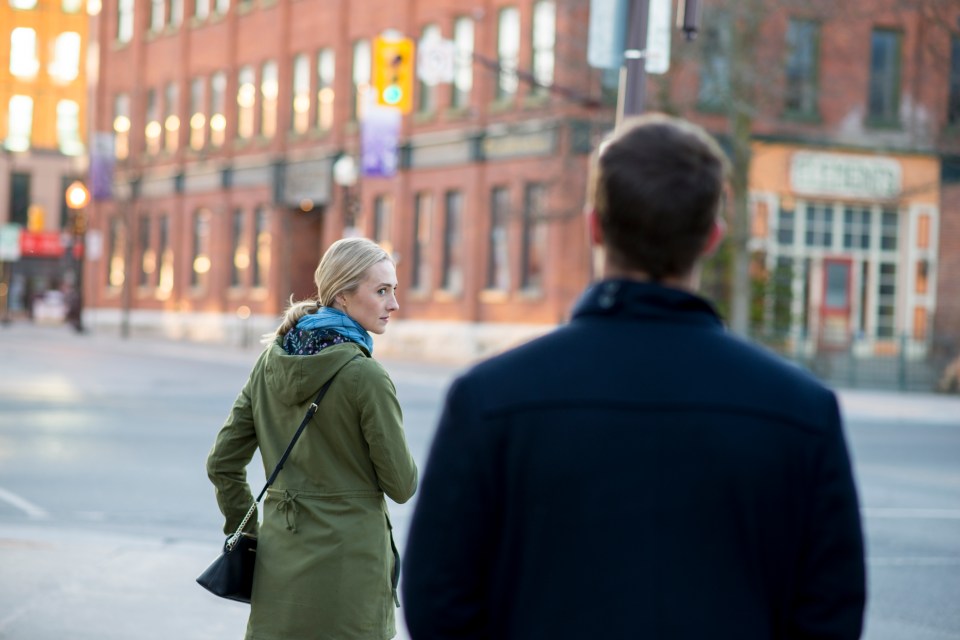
x,y
717,232
593,227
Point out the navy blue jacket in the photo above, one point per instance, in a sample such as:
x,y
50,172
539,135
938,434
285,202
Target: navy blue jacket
x,y
637,473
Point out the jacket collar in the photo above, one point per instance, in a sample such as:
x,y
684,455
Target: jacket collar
x,y
645,300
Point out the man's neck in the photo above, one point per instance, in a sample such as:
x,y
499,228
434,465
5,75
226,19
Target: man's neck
x,y
689,282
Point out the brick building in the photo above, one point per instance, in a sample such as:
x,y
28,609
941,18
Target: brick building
x,y
229,117
43,111
853,171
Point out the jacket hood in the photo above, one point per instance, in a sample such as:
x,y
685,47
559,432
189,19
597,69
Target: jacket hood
x,y
295,379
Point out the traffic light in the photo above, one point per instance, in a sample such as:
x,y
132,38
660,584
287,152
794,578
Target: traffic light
x,y
35,218
393,70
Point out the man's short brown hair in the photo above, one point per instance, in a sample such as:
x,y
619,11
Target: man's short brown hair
x,y
657,187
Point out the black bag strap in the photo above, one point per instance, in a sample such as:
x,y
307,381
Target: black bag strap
x,y
286,454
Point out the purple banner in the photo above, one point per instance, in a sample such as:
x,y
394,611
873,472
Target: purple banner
x,y
379,135
101,166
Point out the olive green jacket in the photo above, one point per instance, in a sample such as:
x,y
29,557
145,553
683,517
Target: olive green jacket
x,y
324,559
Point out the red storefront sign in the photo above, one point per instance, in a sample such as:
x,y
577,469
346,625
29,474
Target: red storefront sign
x,y
44,244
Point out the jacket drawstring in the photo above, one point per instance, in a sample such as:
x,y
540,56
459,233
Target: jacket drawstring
x,y
288,505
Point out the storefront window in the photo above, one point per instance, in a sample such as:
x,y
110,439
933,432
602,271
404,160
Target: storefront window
x,y
452,274
819,226
889,224
887,300
200,273
498,265
786,223
423,214
534,238
856,227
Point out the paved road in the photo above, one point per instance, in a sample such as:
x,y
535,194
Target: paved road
x,y
106,515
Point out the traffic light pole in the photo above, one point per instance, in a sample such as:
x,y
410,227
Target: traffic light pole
x,y
633,74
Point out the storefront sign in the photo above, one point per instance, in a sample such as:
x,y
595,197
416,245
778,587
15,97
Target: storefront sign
x,y
307,181
834,174
517,145
10,242
41,244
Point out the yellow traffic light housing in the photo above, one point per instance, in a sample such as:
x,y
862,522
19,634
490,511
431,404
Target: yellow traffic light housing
x,y
393,71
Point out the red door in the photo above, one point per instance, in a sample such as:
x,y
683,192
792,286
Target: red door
x,y
836,306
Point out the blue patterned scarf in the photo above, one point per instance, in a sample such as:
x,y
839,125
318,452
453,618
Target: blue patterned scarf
x,y
330,318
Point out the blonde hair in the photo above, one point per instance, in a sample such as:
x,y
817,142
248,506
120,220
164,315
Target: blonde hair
x,y
342,268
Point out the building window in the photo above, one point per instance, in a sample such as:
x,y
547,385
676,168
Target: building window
x,y
116,241
171,121
422,218
147,258
463,63
544,42
786,226
175,12
19,123
508,52
534,239
153,129
428,94
382,214
221,6
326,69
884,98
803,44
889,228
953,106
201,9
200,273
158,10
856,227
218,101
819,226
269,91
261,248
66,57
361,76
239,253
23,5
198,121
71,6
68,128
121,125
452,274
165,283
246,100
23,53
125,20
887,300
498,256
19,197
300,100
714,89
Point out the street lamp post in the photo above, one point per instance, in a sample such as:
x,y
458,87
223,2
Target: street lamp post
x,y
77,199
345,175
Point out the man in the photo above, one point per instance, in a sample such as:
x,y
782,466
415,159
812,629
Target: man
x,y
639,472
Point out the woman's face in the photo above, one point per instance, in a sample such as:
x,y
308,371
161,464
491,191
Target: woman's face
x,y
372,302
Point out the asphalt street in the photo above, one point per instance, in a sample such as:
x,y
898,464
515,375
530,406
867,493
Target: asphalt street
x,y
106,515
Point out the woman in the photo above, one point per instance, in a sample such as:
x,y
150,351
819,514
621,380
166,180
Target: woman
x,y
325,556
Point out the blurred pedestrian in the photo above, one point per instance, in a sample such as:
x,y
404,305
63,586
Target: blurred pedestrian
x,y
639,472
326,563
